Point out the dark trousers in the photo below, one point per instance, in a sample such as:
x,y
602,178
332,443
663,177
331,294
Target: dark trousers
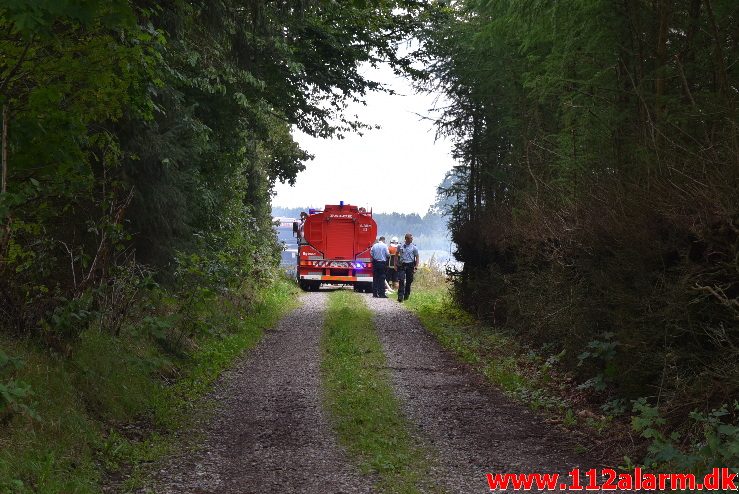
x,y
405,279
378,278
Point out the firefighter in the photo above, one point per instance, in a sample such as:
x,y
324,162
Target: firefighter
x,y
407,265
392,263
380,256
301,227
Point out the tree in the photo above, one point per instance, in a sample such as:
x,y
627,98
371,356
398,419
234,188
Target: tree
x,y
598,163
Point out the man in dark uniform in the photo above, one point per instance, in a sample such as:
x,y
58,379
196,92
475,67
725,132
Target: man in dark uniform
x,y
407,265
380,255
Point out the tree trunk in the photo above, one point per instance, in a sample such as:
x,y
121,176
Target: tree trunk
x,y
4,183
661,49
4,228
722,78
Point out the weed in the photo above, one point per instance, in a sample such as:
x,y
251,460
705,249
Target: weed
x,y
716,446
366,413
15,395
570,419
615,407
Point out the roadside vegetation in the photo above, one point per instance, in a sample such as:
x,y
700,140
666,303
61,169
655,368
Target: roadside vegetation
x,y
595,208
366,414
105,412
630,433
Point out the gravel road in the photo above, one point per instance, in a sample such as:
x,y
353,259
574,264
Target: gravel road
x,y
473,427
269,432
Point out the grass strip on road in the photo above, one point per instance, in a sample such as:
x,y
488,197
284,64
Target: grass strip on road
x,y
366,413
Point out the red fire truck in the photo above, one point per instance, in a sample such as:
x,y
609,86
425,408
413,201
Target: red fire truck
x,y
334,247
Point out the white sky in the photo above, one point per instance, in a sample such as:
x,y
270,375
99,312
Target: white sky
x,y
394,169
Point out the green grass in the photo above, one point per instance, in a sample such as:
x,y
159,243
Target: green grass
x,y
110,407
496,355
366,413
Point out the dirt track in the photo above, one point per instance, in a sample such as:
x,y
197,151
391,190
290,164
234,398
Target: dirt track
x,y
269,432
473,427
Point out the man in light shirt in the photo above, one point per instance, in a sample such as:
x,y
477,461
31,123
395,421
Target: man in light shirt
x,y
407,265
380,255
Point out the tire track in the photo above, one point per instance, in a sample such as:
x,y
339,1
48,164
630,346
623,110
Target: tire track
x,y
474,428
269,432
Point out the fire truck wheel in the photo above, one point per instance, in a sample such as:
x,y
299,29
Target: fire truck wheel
x,y
304,285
